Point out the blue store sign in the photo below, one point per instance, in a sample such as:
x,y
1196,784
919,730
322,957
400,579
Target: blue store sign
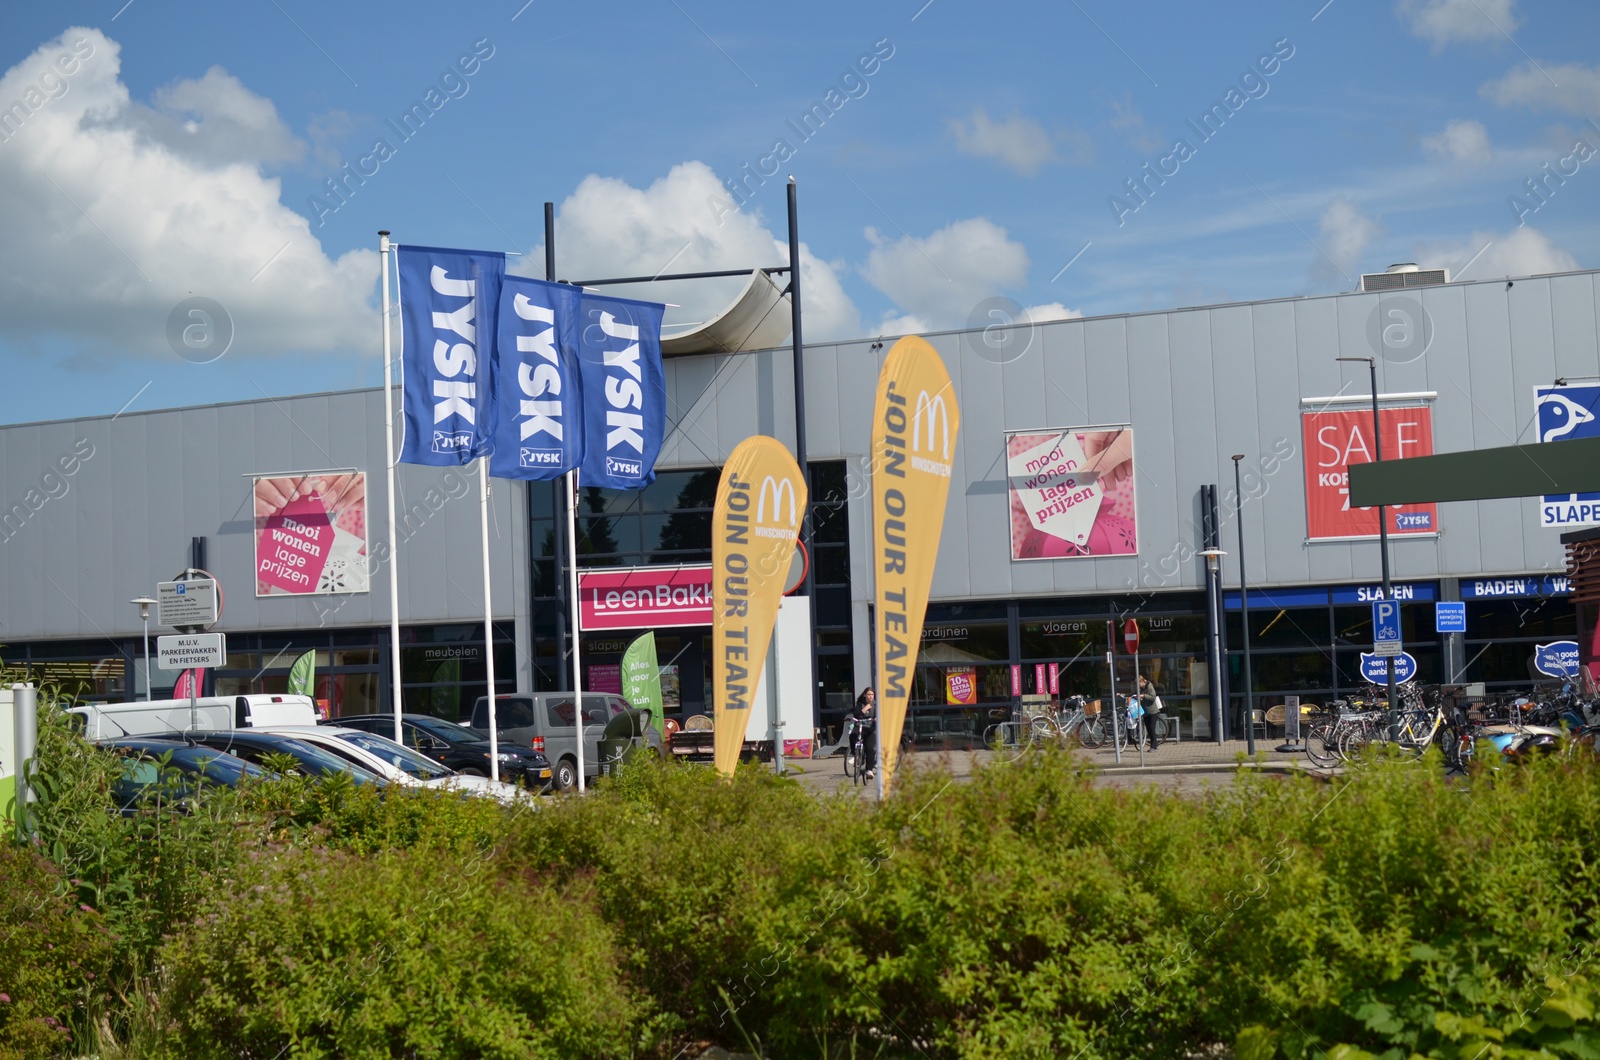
x,y
1508,588
1557,660
1374,670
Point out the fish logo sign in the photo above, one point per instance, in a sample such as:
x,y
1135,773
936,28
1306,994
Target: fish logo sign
x,y
1559,415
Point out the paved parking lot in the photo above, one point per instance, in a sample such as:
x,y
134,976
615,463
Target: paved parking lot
x,y
1189,767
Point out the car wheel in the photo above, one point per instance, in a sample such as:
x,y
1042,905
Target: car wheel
x,y
566,775
474,771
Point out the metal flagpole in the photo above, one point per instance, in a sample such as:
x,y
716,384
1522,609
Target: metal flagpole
x,y
488,618
577,661
571,494
394,543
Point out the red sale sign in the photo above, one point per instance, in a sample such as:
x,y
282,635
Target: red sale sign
x,y
1334,441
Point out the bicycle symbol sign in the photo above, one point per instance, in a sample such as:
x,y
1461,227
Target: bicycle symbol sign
x,y
1386,627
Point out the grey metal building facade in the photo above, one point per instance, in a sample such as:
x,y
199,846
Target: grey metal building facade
x,y
1196,386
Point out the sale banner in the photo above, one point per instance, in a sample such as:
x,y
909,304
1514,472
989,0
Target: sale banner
x,y
311,534
1071,493
961,686
1335,440
915,423
760,502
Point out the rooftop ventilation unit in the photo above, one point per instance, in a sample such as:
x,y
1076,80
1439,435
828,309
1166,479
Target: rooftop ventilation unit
x,y
1405,274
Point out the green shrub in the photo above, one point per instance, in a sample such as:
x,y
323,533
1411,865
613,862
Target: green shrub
x,y
413,954
53,957
708,884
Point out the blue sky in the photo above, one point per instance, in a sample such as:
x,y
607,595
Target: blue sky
x,y
978,151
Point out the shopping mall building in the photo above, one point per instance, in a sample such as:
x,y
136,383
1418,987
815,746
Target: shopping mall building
x,y
1032,577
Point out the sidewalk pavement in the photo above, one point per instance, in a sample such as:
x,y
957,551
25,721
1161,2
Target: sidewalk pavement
x,y
1173,757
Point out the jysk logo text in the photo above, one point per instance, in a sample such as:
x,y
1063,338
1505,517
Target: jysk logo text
x,y
539,457
452,441
1414,520
635,468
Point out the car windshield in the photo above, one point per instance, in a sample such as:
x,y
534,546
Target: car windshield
x,y
316,761
216,766
450,731
400,757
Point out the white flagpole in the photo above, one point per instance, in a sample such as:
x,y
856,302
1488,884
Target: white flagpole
x,y
577,661
394,542
488,618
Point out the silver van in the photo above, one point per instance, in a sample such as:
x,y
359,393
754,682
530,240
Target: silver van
x,y
544,721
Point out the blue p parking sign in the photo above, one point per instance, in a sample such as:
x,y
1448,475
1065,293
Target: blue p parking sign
x,y
1386,627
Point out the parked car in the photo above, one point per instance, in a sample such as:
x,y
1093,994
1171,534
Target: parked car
x,y
545,722
395,762
196,767
462,749
254,745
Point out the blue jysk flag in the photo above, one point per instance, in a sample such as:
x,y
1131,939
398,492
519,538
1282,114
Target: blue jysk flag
x,y
448,300
539,388
624,391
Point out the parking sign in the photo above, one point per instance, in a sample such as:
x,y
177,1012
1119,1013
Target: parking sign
x,y
1450,616
1386,627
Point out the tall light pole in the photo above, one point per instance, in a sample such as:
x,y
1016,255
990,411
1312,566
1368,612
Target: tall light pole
x,y
1219,706
144,603
1383,535
1244,614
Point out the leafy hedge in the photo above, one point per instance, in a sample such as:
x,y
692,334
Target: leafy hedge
x,y
1022,913
53,958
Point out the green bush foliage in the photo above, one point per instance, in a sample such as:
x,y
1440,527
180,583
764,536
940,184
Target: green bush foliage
x,y
53,957
329,954
1022,913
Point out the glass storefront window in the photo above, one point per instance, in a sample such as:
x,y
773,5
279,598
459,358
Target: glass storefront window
x,y
1064,639
1541,617
1353,625
1284,627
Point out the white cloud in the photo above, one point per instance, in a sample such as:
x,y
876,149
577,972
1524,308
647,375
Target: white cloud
x,y
1521,252
214,120
116,211
1444,22
1038,314
1021,144
941,278
1126,117
685,222
902,324
1464,142
1570,87
1346,233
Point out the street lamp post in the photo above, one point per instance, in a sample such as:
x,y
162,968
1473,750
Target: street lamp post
x,y
1383,536
1219,706
1244,613
144,603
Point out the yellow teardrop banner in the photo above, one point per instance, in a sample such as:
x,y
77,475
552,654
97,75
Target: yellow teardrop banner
x,y
915,421
760,502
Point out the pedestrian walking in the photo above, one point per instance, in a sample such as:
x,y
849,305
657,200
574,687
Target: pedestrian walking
x,y
1150,700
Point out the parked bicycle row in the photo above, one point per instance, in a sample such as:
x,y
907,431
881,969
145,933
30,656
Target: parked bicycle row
x,y
1515,725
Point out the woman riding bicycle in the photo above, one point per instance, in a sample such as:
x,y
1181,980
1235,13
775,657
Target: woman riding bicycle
x,y
865,717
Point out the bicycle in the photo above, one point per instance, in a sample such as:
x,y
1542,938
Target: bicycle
x,y
1065,723
855,756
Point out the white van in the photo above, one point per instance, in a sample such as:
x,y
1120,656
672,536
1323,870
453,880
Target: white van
x,y
110,721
